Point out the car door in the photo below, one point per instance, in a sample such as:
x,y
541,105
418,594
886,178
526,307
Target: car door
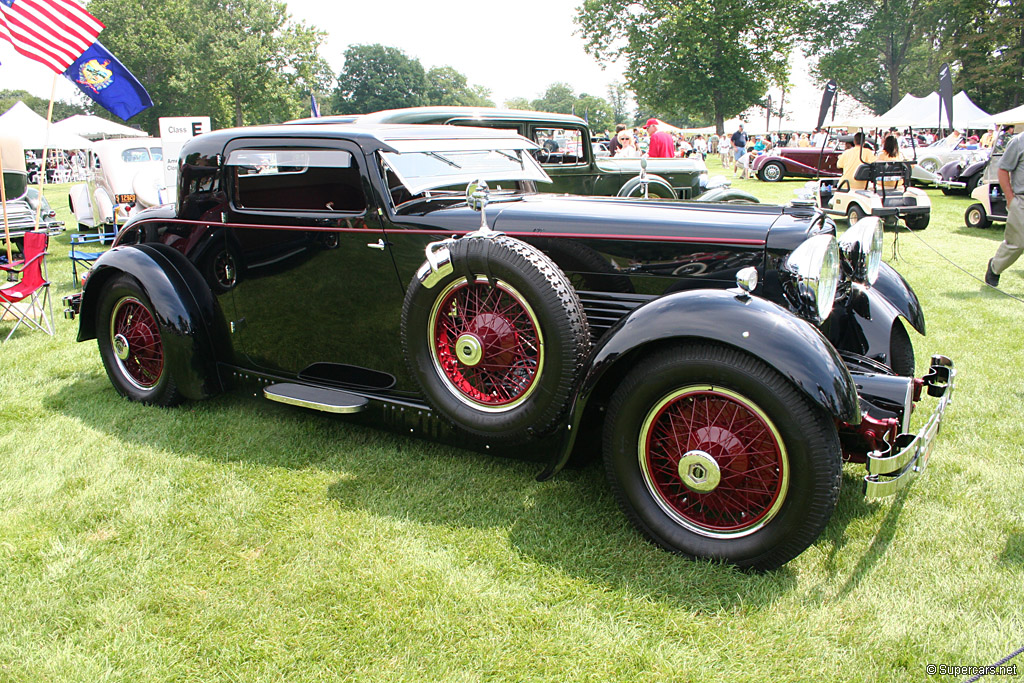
x,y
316,293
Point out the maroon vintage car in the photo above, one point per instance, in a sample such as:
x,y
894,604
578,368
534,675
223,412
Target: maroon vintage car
x,y
775,165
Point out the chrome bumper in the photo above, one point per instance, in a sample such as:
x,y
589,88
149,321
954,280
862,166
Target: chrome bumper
x,y
72,305
891,469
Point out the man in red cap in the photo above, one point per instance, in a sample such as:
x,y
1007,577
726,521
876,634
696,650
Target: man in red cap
x,y
662,146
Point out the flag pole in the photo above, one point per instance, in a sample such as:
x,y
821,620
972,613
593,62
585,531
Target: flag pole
x,y
3,198
46,145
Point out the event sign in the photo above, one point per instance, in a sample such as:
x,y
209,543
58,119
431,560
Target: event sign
x,y
175,131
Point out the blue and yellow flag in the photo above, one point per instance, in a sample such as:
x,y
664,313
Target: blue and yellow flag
x,y
99,75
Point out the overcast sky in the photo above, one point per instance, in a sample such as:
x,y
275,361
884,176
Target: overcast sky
x,y
514,49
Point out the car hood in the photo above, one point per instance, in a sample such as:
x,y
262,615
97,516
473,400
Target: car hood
x,y
612,217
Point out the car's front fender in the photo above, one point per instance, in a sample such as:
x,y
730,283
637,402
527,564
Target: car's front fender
x,y
790,345
891,285
192,327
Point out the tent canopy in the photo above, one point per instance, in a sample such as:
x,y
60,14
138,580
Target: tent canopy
x,y
923,112
1010,117
29,128
95,128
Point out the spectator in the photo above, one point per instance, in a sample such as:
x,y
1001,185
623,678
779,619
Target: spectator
x,y
614,144
701,147
723,150
890,152
851,159
1011,180
818,138
661,145
739,147
804,141
627,145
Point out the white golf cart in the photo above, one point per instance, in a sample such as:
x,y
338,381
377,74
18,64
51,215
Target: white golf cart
x,y
888,195
990,206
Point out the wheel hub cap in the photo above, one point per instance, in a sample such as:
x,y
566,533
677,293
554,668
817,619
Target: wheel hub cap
x,y
469,349
699,472
121,347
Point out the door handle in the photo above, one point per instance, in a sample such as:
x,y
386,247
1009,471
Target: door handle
x,y
379,244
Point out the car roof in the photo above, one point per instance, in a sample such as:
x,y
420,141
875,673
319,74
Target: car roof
x,y
427,115
370,137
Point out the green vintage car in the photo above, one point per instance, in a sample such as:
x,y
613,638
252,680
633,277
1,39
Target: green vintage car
x,y
567,155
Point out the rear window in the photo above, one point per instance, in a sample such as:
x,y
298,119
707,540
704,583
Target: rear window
x,y
135,155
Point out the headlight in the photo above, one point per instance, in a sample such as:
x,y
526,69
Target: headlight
x,y
861,248
813,270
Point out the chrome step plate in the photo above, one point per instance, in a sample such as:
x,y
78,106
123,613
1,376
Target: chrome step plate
x,y
315,398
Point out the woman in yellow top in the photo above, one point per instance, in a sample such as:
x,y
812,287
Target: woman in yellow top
x,y
804,141
890,152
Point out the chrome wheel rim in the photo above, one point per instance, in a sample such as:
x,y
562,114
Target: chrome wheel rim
x,y
713,461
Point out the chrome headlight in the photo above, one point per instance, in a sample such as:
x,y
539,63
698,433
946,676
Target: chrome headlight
x,y
861,249
813,270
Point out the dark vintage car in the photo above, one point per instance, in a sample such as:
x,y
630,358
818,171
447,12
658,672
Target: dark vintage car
x,y
574,166
724,360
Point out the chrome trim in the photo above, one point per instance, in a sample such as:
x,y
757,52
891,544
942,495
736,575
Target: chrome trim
x,y
438,265
314,405
890,471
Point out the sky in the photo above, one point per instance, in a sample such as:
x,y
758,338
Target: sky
x,y
515,50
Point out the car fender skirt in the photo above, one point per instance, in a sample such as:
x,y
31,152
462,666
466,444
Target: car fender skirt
x,y
894,289
787,343
191,323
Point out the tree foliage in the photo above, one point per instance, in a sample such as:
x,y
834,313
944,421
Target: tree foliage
x,y
618,100
239,61
705,60
378,77
61,109
560,98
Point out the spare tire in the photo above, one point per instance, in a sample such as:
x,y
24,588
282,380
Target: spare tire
x,y
497,345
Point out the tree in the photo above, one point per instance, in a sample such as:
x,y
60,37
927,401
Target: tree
x,y
61,109
376,77
618,98
710,60
448,87
520,103
985,40
559,98
875,48
239,61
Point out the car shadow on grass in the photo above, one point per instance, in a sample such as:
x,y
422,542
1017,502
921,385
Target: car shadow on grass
x,y
570,523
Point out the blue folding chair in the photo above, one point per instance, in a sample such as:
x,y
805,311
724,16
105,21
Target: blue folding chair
x,y
83,258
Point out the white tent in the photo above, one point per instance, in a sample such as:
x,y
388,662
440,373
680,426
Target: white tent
x,y
29,128
94,127
923,112
1010,117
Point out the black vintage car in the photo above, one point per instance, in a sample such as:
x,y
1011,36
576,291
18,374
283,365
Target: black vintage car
x,y
723,359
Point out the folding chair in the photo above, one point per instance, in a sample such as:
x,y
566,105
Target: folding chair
x,y
29,300
86,258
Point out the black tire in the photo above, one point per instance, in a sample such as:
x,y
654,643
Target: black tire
x,y
498,344
901,350
656,187
918,221
131,344
789,440
854,213
972,183
772,172
975,216
18,245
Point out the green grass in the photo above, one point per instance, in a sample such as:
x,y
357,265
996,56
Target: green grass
x,y
238,540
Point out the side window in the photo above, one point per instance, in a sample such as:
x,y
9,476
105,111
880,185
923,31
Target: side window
x,y
320,180
559,145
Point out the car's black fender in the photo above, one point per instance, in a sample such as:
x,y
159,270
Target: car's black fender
x,y
900,296
191,323
727,194
787,343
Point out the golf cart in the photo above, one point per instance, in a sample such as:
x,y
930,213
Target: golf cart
x,y
888,195
991,202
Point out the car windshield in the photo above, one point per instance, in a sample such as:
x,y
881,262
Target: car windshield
x,y
428,170
135,155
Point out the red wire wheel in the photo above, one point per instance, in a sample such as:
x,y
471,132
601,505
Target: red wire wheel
x,y
486,343
135,338
713,461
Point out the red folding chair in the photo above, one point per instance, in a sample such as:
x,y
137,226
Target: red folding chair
x,y
28,301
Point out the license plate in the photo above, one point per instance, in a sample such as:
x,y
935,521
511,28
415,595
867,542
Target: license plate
x,y
124,198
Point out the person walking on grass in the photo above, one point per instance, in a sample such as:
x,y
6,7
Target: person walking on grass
x,y
1011,180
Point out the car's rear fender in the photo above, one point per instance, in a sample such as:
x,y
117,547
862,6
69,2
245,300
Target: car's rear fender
x,y
785,342
192,327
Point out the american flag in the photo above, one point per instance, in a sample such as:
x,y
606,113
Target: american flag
x,y
52,32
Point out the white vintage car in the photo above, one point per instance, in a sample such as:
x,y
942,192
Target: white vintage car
x,y
125,176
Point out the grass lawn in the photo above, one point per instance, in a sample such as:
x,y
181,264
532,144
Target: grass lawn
x,y
241,540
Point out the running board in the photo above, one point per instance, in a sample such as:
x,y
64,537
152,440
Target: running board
x,y
315,398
